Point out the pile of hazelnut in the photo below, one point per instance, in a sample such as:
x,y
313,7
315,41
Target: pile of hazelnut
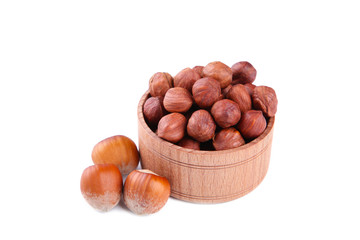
x,y
209,108
144,192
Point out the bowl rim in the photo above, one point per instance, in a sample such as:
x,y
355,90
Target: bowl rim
x,y
155,137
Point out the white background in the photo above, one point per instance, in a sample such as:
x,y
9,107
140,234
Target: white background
x,y
72,73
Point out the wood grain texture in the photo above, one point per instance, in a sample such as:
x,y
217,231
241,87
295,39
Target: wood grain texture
x,y
205,176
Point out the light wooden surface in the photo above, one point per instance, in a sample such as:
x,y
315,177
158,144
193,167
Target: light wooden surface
x,y
205,176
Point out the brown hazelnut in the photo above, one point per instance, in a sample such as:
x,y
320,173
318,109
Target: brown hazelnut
x,y
159,83
252,124
226,113
171,127
177,99
119,150
228,138
220,72
101,186
145,192
240,95
243,72
186,78
199,70
153,111
187,142
250,88
264,99
201,126
206,91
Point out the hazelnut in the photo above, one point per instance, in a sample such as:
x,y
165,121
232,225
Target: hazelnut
x,y
101,186
159,83
145,192
199,70
119,150
220,72
153,111
252,124
186,78
177,99
206,91
264,99
187,142
201,126
243,72
171,127
250,88
228,138
226,113
240,95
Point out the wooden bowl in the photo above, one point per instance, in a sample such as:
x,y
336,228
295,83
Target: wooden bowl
x,y
205,176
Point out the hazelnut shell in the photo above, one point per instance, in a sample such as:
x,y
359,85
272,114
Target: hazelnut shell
x,y
264,99
201,126
177,99
145,192
119,150
153,111
240,95
171,127
159,83
219,71
186,78
226,113
243,72
101,186
252,124
228,138
187,142
206,91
